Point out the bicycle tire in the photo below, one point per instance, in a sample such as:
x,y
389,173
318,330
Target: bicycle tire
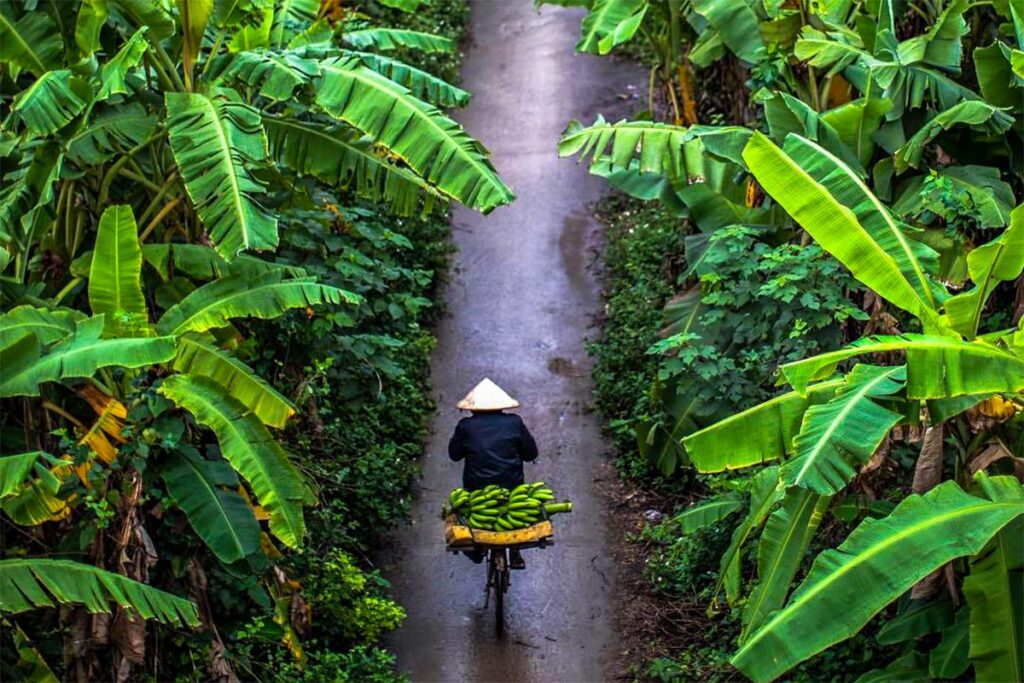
x,y
500,586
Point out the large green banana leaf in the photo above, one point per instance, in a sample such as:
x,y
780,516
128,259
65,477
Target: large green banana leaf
x,y
110,129
115,71
759,434
239,296
949,658
43,582
835,207
765,492
780,552
394,38
38,499
997,261
610,23
736,24
14,469
993,66
49,326
856,122
786,114
289,17
879,561
221,517
275,74
995,594
52,102
708,512
659,147
77,356
837,436
115,276
974,113
431,144
342,156
217,144
937,367
251,450
31,42
196,357
423,85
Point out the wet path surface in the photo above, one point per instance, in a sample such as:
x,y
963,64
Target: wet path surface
x,y
521,300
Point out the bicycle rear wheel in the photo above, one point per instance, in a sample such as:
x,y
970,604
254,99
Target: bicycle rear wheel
x,y
500,560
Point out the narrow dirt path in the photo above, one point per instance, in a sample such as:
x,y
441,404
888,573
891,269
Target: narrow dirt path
x,y
521,300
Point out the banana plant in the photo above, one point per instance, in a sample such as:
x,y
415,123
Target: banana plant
x,y
828,427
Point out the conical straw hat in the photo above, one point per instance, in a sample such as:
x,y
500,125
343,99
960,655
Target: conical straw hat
x,y
487,396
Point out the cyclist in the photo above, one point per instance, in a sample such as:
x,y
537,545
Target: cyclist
x,y
494,445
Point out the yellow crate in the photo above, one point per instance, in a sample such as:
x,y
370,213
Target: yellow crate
x,y
459,536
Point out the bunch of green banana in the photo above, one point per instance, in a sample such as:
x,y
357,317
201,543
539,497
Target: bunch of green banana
x,y
499,509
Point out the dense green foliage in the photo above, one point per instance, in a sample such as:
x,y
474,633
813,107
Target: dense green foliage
x,y
858,205
221,443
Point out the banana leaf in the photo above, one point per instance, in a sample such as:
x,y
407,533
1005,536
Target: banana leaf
x,y
77,356
275,74
52,102
937,367
974,113
250,448
219,515
837,436
200,359
949,658
423,85
736,24
263,296
610,23
995,594
992,198
341,156
659,147
388,39
765,491
433,145
110,129
780,552
707,513
1000,260
756,435
289,17
879,561
31,42
43,582
48,326
14,470
217,144
115,71
115,275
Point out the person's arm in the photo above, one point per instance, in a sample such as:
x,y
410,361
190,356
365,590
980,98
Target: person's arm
x,y
457,444
527,446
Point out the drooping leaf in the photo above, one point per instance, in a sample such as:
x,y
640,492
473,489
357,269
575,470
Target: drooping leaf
x,y
31,42
856,123
433,145
52,102
759,434
886,555
114,72
786,114
341,156
707,513
138,13
220,516
919,619
49,326
14,469
736,23
949,658
388,39
196,357
780,552
290,17
837,436
765,491
997,261
423,85
108,130
842,215
937,367
78,356
250,448
276,74
610,23
995,596
45,582
216,143
115,278
264,296
92,15
974,113
657,146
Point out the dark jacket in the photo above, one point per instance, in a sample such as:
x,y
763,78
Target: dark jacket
x,y
494,446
